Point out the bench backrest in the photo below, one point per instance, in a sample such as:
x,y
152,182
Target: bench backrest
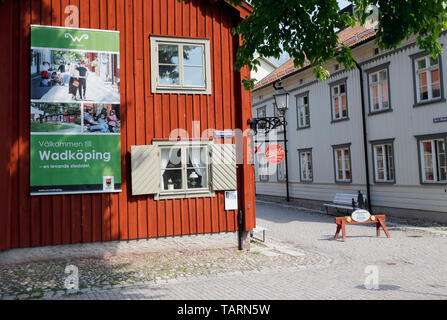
x,y
346,198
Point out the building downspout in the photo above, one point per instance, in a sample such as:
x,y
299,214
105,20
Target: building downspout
x,y
365,138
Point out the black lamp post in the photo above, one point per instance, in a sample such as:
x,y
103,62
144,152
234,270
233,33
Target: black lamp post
x,y
267,124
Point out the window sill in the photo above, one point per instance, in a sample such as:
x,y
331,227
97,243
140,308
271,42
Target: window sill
x,y
306,181
185,195
436,184
173,90
384,182
340,120
425,103
373,113
302,128
343,182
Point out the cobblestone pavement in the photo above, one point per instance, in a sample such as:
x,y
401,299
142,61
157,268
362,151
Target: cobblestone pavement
x,y
302,261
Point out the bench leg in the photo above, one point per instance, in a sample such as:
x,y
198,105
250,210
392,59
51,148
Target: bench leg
x,y
382,224
343,230
378,229
337,232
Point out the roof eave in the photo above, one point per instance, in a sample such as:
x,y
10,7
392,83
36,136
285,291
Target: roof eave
x,y
309,66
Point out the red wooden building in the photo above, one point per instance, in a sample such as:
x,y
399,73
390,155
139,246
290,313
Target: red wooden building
x,y
148,113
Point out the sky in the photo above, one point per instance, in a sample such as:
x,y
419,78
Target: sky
x,y
341,3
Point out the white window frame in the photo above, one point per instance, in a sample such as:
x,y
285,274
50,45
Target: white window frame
x,y
281,171
379,83
303,110
180,88
345,164
263,168
435,159
185,192
388,162
306,165
427,70
338,96
281,167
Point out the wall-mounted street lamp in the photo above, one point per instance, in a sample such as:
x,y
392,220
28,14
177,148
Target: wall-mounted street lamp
x,y
267,124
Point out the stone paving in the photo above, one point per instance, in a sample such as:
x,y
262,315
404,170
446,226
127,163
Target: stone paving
x,y
300,260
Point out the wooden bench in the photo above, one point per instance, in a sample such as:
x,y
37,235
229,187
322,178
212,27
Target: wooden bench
x,y
341,222
348,202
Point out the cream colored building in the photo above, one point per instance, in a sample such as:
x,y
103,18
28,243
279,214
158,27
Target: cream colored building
x,y
405,114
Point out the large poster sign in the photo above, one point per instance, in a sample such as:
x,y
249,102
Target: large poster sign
x,y
75,144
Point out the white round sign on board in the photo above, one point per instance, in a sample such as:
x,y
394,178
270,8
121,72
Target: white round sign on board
x,y
360,215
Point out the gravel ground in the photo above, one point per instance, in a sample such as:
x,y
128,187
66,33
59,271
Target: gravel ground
x,y
46,279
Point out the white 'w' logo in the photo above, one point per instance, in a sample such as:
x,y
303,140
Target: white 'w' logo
x,y
76,39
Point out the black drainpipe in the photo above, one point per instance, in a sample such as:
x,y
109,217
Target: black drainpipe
x,y
365,138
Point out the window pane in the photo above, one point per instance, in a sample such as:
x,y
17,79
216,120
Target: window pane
x,y
168,75
196,157
172,179
375,97
383,76
168,54
309,165
301,117
433,62
193,76
196,178
336,108
342,88
374,77
385,99
390,162
335,90
428,161
423,88
307,122
442,161
421,64
193,55
436,85
344,106
171,158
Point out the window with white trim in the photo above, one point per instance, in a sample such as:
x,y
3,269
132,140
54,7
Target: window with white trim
x,y
428,80
379,91
180,65
281,168
306,169
281,171
433,160
384,162
342,158
339,102
263,168
302,105
184,168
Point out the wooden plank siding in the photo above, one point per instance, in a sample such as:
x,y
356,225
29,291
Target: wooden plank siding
x,y
27,221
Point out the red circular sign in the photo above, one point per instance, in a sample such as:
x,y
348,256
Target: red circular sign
x,y
275,154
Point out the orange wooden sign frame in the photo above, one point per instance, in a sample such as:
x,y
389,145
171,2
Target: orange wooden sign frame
x,y
341,222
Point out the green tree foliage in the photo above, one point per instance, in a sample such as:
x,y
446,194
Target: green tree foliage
x,y
307,29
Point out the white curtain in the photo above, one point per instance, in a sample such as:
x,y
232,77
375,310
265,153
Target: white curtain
x,y
195,157
164,163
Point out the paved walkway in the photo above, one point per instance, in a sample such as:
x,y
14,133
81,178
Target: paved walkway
x,y
410,265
